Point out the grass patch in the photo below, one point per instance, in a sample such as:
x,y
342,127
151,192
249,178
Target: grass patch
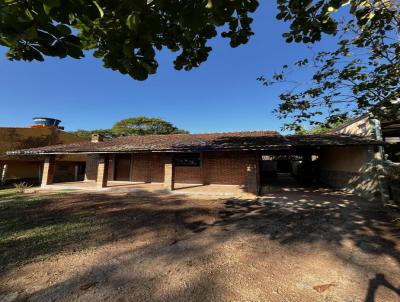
x,y
30,229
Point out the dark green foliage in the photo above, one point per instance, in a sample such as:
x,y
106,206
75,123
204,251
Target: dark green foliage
x,y
125,34
88,133
143,126
321,128
361,75
140,125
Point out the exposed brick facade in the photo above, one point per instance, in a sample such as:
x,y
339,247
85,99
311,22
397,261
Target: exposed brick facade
x,y
91,166
148,168
222,168
190,175
227,168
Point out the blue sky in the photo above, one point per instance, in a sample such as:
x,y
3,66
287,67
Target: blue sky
x,y
220,95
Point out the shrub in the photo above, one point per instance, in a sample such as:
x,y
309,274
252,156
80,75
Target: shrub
x,y
21,187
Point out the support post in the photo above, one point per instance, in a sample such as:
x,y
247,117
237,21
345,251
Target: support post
x,y
48,170
169,172
253,176
76,172
3,176
384,189
102,171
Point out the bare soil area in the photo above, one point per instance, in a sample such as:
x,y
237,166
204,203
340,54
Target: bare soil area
x,y
295,245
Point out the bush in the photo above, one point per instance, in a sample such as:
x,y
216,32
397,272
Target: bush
x,y
21,187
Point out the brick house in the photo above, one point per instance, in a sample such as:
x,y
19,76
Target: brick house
x,y
224,159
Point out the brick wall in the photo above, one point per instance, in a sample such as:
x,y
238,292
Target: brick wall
x,y
226,167
189,175
223,168
148,168
145,167
91,167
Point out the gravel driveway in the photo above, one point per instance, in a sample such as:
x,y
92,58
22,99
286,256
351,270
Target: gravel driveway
x,y
294,245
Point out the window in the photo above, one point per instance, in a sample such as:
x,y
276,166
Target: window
x,y
187,160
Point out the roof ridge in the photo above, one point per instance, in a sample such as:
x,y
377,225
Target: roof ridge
x,y
202,133
226,132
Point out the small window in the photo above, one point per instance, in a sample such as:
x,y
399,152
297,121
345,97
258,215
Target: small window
x,y
187,160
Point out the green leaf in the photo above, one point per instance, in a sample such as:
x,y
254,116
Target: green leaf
x,y
132,21
63,29
74,51
31,33
5,42
101,12
49,4
28,14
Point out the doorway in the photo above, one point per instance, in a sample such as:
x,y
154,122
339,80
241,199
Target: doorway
x,y
288,171
122,170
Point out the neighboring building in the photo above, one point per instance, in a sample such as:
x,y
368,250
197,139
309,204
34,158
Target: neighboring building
x,y
44,132
388,168
363,125
366,125
233,159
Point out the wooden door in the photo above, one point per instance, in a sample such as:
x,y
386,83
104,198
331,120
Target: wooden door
x,y
122,167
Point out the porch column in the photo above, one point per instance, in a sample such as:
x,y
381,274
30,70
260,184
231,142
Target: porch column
x,y
253,176
76,172
48,170
169,172
102,171
3,173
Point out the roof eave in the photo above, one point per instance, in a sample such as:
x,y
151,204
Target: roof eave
x,y
183,150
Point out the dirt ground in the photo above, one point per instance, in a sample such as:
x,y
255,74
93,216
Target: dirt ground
x,y
297,245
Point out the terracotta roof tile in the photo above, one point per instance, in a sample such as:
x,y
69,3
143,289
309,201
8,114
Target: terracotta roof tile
x,y
234,141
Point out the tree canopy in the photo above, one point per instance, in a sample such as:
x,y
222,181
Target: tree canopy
x,y
362,74
324,127
125,34
144,126
140,125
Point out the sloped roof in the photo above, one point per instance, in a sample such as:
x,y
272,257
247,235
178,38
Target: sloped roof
x,y
12,138
232,141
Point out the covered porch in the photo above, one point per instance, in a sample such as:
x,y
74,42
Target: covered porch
x,y
127,172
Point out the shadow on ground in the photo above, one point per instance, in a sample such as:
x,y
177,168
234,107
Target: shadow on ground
x,y
297,216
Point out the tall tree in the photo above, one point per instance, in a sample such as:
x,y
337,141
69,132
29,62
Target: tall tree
x,y
362,74
140,125
144,126
88,133
125,34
